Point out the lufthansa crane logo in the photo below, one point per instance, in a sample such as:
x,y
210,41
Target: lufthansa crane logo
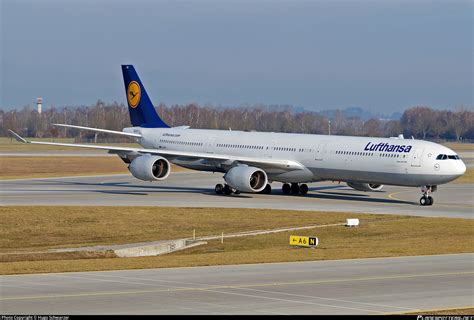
x,y
133,94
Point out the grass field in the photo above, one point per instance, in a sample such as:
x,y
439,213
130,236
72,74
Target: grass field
x,y
459,147
468,177
42,228
446,312
35,167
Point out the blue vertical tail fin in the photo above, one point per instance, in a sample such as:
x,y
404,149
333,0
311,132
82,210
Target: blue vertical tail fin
x,y
142,111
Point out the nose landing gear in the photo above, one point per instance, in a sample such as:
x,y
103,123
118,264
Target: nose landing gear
x,y
426,199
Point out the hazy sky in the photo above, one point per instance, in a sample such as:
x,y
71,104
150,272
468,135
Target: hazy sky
x,y
380,55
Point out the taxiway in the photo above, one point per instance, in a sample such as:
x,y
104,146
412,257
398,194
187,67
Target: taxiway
x,y
358,286
196,189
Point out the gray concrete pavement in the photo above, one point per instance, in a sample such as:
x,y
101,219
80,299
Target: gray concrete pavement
x,y
196,189
359,286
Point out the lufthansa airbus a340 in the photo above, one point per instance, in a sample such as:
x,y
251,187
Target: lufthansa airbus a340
x,y
252,160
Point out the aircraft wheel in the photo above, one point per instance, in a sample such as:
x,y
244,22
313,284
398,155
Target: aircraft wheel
x,y
423,201
227,190
286,188
304,188
267,190
219,189
430,201
295,188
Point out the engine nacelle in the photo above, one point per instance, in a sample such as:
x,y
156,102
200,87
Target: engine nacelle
x,y
150,168
246,179
365,186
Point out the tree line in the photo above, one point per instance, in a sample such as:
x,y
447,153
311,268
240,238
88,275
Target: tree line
x,y
420,122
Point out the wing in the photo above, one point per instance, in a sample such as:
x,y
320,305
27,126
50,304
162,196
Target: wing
x,y
286,165
135,135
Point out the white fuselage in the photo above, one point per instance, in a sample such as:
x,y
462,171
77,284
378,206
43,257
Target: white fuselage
x,y
393,161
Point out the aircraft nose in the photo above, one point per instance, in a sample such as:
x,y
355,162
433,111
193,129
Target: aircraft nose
x,y
460,168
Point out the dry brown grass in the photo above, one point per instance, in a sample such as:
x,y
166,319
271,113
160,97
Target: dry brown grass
x,y
41,256
447,312
27,229
72,226
459,147
468,177
33,167
40,167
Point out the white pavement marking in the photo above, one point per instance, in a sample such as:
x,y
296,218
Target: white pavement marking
x,y
291,301
35,283
324,298
108,280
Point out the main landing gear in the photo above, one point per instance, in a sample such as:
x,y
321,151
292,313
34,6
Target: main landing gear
x,y
267,189
225,189
295,188
426,199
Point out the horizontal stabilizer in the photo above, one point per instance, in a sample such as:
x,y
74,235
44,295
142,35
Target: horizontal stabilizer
x,y
128,134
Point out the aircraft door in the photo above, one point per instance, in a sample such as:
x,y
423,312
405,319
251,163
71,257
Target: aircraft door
x,y
417,156
269,150
211,145
320,150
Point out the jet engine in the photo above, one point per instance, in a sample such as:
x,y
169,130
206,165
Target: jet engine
x,y
150,168
246,179
365,186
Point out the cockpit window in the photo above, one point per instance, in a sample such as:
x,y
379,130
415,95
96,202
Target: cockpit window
x,y
444,157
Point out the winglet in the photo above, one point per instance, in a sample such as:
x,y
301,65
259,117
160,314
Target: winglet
x,y
18,137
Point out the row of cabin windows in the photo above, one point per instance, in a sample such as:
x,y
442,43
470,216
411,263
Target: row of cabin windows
x,y
240,146
186,143
391,155
243,146
369,154
223,145
353,153
284,149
